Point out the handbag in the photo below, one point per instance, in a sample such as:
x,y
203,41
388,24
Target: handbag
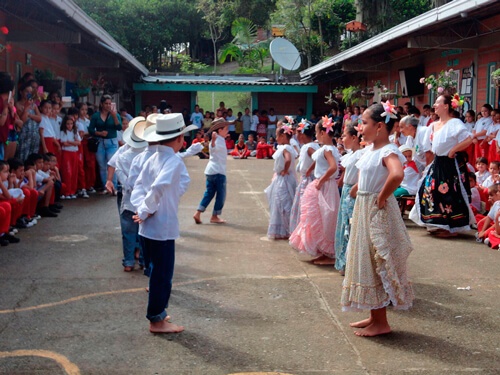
x,y
93,144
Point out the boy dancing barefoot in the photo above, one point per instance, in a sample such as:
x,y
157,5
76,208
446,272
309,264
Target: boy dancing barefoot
x,y
156,195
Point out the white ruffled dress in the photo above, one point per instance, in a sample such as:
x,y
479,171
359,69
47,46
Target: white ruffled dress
x,y
379,244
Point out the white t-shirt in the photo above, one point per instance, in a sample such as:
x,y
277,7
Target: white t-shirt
x,y
70,137
231,127
348,161
56,124
83,125
423,120
372,172
488,181
321,163
480,178
483,124
305,161
255,122
410,180
48,127
218,157
420,146
492,129
493,210
271,118
451,134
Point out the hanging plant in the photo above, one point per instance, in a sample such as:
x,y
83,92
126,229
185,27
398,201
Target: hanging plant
x,y
445,83
351,94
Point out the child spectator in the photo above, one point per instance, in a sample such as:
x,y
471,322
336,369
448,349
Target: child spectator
x,y
475,196
48,139
44,184
493,239
238,125
156,195
409,185
254,123
232,126
482,170
262,126
215,173
59,185
14,197
251,145
485,223
240,150
89,167
305,134
319,206
494,177
282,189
264,150
70,140
273,143
480,131
229,144
26,184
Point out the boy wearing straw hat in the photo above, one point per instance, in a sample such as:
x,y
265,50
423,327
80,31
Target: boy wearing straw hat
x,y
156,195
215,173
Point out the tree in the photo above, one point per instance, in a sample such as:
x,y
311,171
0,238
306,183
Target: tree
x,y
243,48
215,15
257,11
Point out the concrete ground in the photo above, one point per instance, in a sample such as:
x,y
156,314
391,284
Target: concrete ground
x,y
249,305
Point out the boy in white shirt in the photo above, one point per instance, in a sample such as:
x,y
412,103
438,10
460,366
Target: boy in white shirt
x,y
156,195
215,173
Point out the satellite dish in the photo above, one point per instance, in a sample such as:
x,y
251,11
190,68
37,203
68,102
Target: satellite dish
x,y
285,54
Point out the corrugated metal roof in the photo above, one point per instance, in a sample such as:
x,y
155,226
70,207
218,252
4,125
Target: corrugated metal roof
x,y
220,80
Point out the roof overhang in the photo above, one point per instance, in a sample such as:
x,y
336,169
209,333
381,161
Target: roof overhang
x,y
410,34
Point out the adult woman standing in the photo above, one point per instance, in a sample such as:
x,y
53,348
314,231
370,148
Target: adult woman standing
x,y
29,136
104,124
442,202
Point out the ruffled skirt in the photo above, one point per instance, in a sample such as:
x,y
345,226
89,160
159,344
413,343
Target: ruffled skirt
x,y
343,226
280,197
295,215
315,233
377,252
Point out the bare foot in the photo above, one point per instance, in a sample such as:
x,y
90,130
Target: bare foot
x,y
446,234
323,260
197,218
217,220
362,323
165,327
374,330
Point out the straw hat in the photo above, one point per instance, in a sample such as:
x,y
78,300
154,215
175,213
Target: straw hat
x,y
167,126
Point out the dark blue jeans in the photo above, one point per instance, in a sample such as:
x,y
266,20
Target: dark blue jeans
x,y
161,255
216,186
130,238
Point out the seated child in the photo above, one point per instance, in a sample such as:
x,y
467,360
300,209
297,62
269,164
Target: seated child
x,y
44,185
14,202
198,137
484,223
482,171
409,186
494,177
475,197
252,145
59,186
25,182
264,150
229,144
205,152
240,150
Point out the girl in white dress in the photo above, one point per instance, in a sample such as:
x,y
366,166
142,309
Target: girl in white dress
x,y
315,233
282,189
442,203
305,135
379,244
350,178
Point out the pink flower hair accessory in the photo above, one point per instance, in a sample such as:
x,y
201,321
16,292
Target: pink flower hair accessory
x,y
389,111
290,120
327,124
287,129
304,124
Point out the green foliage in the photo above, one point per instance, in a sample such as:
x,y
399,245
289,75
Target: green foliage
x,y
249,55
237,101
333,15
257,11
351,94
188,65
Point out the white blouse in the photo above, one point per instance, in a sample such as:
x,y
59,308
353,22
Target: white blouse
x,y
279,159
483,124
348,161
69,136
493,128
372,172
305,161
451,134
48,128
321,162
83,125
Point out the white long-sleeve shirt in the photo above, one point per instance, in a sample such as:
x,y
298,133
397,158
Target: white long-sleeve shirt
x,y
157,192
122,170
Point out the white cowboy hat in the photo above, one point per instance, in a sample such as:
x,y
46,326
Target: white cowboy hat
x,y
141,126
404,148
167,126
129,136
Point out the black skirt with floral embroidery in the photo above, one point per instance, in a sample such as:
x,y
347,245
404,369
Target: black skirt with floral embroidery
x,y
444,194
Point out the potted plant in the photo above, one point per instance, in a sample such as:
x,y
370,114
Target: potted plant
x,y
495,76
367,93
82,87
351,94
445,83
48,80
337,92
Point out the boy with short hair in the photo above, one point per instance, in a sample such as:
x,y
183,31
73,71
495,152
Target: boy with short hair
x,y
156,195
44,185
